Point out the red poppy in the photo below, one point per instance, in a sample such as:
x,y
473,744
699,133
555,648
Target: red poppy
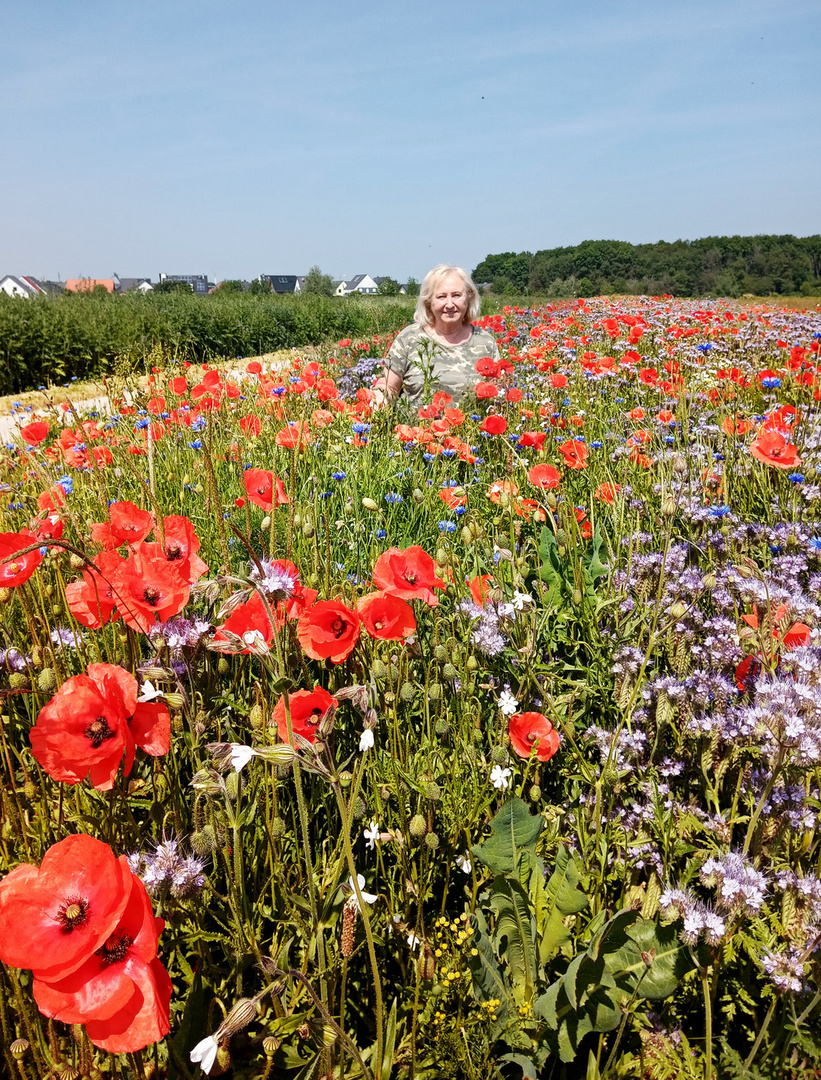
x,y
122,992
480,587
494,425
486,390
264,489
53,499
792,636
179,548
128,523
514,394
48,527
607,492
500,489
410,574
307,709
451,499
328,631
574,452
291,438
92,722
16,568
533,438
732,425
178,386
148,587
254,368
488,368
250,617
35,432
53,917
558,380
251,425
532,733
92,600
772,447
322,418
544,476
386,617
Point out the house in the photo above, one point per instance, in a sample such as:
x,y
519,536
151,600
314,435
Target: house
x,y
21,286
133,284
87,284
282,283
198,282
361,283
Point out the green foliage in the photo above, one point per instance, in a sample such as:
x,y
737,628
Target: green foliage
x,y
388,287
412,287
715,265
317,284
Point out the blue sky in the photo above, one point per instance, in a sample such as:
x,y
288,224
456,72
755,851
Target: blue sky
x,y
190,136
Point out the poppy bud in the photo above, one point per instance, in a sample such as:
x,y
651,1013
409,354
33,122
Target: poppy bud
x,y
449,672
442,556
270,1044
472,663
47,680
432,841
467,535
552,501
76,562
441,727
18,680
433,791
499,756
266,522
378,669
223,667
232,786
561,537
19,1047
297,521
278,828
435,692
418,826
418,496
204,842
345,779
535,793
577,597
256,716
407,691
369,504
307,529
440,653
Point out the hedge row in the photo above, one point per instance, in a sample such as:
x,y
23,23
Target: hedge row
x,y
45,341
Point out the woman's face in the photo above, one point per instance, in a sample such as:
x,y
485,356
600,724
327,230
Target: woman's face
x,y
449,304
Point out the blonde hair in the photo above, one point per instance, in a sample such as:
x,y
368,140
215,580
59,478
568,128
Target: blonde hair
x,y
433,279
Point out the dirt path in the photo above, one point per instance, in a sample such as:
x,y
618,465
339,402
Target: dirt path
x,y
86,397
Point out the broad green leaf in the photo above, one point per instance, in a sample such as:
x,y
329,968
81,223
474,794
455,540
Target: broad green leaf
x,y
594,568
526,1064
189,1032
390,1043
669,960
514,936
564,897
489,982
513,829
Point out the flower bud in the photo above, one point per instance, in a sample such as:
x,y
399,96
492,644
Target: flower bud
x,y
345,779
668,506
441,727
432,841
499,756
19,1047
18,680
256,716
418,496
270,1044
467,535
369,504
223,667
204,842
417,827
709,581
435,692
449,672
278,828
308,529
232,785
426,964
47,680
407,691
433,791
678,609
535,793
442,556
239,1017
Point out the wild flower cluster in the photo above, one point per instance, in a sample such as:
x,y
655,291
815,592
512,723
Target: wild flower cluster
x,y
485,735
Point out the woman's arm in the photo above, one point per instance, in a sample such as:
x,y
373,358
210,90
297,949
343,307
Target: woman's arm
x,y
387,387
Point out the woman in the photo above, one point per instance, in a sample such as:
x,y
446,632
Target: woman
x,y
439,350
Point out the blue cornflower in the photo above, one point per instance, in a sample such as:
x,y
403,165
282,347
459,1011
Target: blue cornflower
x,y
448,453
393,497
719,511
196,444
771,383
141,424
380,534
447,526
199,424
796,477
597,444
359,428
815,543
475,416
459,510
325,494
338,475
278,391
705,348
428,458
67,484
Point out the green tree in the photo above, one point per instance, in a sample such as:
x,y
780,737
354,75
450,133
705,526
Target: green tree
x,y
231,285
174,287
318,284
260,287
412,288
387,287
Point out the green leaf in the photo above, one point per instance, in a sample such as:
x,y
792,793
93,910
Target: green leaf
x,y
564,897
594,568
669,960
514,936
189,1031
513,829
390,1043
526,1064
489,982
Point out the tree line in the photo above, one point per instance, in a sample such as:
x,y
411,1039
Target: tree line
x,y
712,266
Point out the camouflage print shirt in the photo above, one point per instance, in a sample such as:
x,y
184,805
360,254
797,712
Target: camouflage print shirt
x,y
452,367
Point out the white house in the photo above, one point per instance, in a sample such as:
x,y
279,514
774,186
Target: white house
x,y
21,286
362,283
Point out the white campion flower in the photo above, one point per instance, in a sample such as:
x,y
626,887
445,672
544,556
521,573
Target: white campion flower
x,y
366,740
148,692
464,863
414,940
500,778
241,755
368,898
204,1054
520,599
372,834
507,703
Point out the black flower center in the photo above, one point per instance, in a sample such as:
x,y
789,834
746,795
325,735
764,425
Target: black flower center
x,y
151,596
116,948
72,913
98,731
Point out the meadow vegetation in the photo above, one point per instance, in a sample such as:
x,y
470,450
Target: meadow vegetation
x,y
481,742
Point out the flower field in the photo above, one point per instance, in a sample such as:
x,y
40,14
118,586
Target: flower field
x,y
343,742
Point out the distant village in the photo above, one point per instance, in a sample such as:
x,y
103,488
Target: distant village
x,y
26,286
